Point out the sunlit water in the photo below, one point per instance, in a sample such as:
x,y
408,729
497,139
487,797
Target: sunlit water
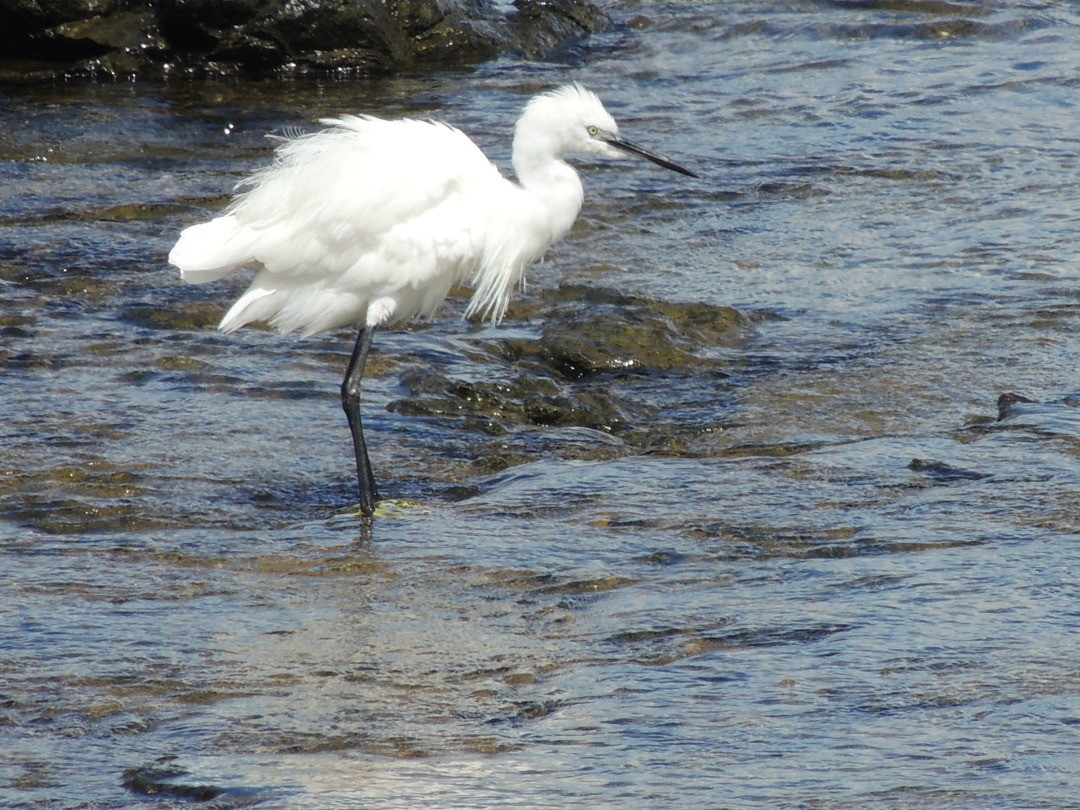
x,y
726,513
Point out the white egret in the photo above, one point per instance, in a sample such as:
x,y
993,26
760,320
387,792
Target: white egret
x,y
372,222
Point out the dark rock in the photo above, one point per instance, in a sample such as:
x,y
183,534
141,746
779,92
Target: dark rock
x,y
1007,403
157,782
81,37
595,330
541,26
23,18
208,37
944,473
608,373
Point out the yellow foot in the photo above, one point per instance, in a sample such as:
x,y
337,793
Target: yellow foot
x,y
395,506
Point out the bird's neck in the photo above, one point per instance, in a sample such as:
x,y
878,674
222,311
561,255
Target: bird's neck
x,y
555,185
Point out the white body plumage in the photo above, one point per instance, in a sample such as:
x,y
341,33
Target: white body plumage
x,y
374,221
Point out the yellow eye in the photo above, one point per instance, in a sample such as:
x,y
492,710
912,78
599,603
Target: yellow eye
x,y
593,132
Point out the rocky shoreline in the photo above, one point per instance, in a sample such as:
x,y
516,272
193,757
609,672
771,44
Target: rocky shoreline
x,y
128,39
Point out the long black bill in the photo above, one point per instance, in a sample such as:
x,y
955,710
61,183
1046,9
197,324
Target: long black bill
x,y
659,160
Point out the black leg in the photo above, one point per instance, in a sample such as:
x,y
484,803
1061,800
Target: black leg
x,y
350,401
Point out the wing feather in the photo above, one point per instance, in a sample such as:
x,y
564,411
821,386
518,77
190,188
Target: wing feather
x,y
364,210
355,188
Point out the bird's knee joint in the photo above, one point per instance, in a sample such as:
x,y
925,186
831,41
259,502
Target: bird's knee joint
x,y
350,395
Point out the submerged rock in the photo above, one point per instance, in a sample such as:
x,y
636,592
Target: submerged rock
x,y
597,330
608,374
122,37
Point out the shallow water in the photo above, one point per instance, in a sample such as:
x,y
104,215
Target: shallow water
x,y
764,494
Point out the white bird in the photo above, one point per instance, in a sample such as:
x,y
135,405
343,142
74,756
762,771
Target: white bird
x,y
373,222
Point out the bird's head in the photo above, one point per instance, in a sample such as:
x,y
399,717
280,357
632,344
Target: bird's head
x,y
572,120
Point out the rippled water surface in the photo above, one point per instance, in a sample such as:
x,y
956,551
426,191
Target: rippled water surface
x,y
765,494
